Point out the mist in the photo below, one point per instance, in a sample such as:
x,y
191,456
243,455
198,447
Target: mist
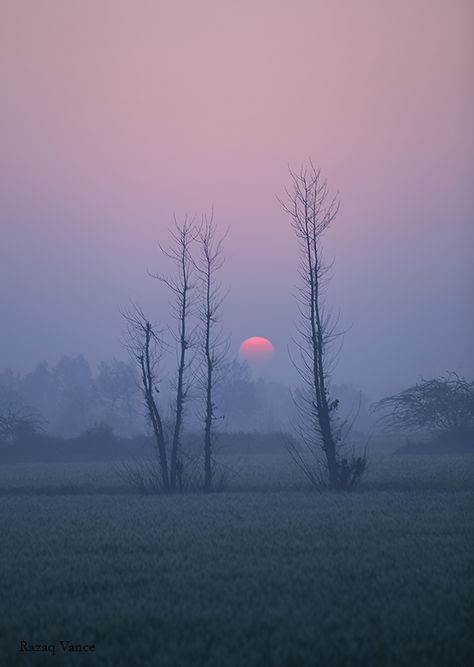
x,y
236,369
160,111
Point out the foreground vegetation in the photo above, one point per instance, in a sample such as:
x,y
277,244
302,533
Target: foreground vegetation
x,y
266,573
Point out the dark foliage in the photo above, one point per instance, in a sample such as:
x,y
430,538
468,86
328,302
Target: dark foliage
x,y
441,408
100,443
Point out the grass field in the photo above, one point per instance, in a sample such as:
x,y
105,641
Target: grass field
x,y
268,573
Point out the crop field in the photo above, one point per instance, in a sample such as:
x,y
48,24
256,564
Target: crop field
x,y
267,573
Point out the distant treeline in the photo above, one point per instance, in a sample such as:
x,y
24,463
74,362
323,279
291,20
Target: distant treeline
x,y
69,398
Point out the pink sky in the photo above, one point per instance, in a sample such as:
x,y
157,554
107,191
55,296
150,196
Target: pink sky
x,y
116,114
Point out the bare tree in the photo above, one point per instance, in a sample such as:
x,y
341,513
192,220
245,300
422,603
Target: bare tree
x,y
213,344
440,405
183,235
18,421
312,210
145,345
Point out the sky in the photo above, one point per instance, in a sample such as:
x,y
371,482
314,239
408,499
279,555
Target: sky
x,y
116,115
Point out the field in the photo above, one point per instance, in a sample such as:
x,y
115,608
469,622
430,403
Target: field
x,y
268,573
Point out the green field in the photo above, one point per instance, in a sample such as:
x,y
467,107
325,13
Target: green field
x,y
267,573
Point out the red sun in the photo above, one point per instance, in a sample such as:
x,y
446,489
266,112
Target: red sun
x,y
256,347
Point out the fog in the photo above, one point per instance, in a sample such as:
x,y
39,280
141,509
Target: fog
x,y
236,369
114,118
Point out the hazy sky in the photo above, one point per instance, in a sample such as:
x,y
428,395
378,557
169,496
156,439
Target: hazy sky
x,y
116,114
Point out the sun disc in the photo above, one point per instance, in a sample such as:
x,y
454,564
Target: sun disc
x,y
256,347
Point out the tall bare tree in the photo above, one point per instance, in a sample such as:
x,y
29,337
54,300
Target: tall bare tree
x,y
145,345
212,342
312,210
181,285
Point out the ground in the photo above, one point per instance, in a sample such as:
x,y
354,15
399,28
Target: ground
x,y
268,573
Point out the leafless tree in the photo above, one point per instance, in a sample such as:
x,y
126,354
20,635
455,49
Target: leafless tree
x,y
213,344
444,404
312,210
145,345
181,285
18,421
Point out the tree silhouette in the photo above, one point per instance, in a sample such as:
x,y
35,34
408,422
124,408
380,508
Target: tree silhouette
x,y
311,211
440,405
213,345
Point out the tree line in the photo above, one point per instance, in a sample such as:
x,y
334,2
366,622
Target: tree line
x,y
72,396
